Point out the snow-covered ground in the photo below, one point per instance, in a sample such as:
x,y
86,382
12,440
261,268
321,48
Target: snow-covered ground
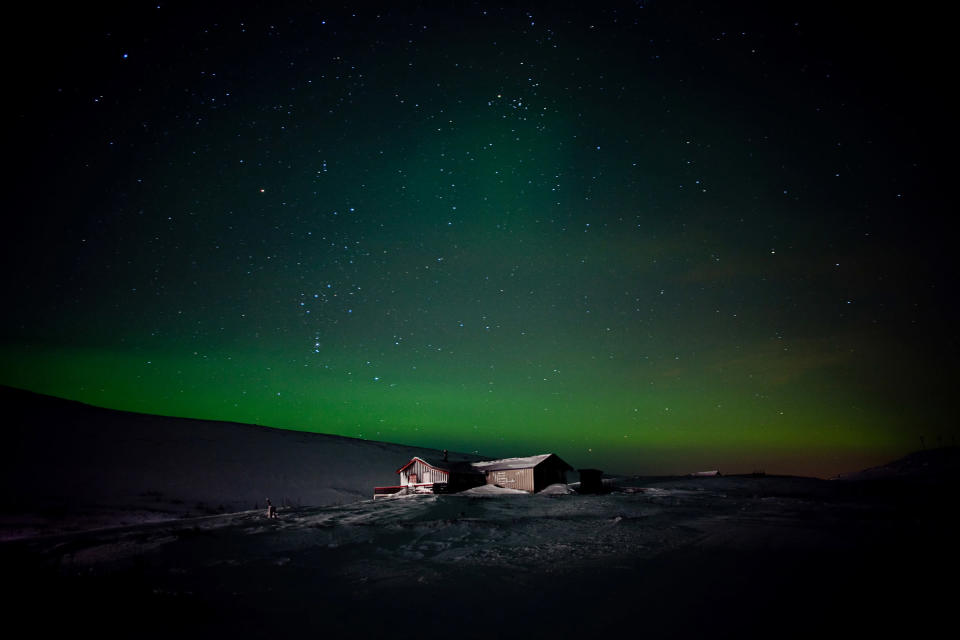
x,y
659,557
111,527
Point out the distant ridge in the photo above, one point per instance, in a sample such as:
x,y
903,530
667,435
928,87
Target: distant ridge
x,y
937,464
67,460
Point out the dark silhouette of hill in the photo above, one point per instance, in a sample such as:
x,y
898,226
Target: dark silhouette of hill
x,y
942,463
67,459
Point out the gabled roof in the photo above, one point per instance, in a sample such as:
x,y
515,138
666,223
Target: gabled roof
x,y
444,465
432,465
518,463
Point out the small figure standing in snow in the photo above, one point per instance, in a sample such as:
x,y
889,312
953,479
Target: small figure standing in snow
x,y
271,510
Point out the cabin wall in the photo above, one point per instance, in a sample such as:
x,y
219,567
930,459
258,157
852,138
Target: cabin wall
x,y
424,473
512,479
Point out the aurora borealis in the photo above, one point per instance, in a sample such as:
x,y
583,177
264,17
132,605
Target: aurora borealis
x,y
650,237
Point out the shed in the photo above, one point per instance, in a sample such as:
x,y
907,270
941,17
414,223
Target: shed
x,y
532,473
591,481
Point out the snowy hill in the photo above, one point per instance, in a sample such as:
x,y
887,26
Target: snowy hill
x,y
74,465
931,464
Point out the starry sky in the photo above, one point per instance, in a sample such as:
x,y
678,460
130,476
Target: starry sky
x,y
652,237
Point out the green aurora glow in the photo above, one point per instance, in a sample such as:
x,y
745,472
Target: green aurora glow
x,y
610,233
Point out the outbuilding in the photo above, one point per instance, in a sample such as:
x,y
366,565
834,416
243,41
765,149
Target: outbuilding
x,y
591,481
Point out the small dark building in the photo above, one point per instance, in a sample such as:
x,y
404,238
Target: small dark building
x,y
591,481
533,473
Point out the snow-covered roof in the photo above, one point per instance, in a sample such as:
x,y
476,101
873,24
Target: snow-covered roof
x,y
442,465
515,463
487,465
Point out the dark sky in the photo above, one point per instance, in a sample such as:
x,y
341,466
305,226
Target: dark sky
x,y
649,237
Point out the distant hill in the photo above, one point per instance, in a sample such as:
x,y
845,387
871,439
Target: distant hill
x,y
931,465
69,460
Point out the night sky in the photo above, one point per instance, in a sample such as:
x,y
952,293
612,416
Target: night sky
x,y
648,236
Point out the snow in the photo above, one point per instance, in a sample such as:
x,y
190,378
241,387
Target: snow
x,y
556,489
731,556
493,490
672,557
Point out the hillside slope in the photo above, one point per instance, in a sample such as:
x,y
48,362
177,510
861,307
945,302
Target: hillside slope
x,y
67,459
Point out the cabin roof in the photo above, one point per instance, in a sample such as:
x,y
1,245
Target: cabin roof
x,y
503,464
442,465
518,463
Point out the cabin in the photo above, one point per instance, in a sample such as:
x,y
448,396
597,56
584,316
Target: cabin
x,y
531,474
434,476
